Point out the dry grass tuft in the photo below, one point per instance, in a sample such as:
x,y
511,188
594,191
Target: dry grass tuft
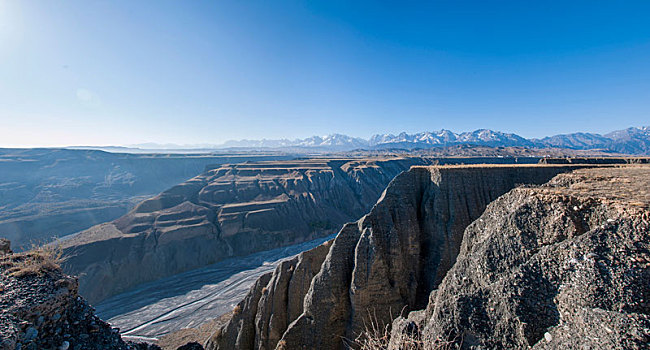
x,y
377,337
236,310
38,261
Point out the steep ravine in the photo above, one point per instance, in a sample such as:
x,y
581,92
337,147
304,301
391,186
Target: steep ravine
x,y
385,264
164,306
49,192
232,210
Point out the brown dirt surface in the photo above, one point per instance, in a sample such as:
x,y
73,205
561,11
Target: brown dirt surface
x,y
625,185
200,334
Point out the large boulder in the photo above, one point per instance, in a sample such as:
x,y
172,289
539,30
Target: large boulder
x,y
5,246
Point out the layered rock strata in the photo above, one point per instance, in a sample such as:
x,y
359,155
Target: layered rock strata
x,y
389,261
49,192
228,211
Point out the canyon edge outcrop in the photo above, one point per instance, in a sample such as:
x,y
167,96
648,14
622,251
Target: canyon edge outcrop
x,y
389,261
560,266
40,308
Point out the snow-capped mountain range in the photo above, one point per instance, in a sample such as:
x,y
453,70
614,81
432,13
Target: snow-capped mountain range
x,y
445,138
635,140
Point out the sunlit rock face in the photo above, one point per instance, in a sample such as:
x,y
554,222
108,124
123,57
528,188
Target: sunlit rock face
x,y
50,192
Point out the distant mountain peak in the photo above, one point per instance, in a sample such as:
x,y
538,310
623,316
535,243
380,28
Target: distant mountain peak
x,y
633,140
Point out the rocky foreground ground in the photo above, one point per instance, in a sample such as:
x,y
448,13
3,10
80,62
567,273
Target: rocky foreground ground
x,y
561,266
41,309
441,263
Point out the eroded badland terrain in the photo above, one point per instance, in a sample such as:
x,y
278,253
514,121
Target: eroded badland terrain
x,y
461,256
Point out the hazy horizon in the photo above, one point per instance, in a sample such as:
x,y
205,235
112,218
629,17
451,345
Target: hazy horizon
x,y
121,73
188,146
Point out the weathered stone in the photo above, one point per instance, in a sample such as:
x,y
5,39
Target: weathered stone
x,y
191,346
389,261
34,309
5,246
553,267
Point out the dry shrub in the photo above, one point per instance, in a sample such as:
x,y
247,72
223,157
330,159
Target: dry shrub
x,y
378,337
38,261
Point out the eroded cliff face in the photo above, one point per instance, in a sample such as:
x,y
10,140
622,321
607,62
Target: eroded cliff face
x,y
561,266
389,261
228,211
272,304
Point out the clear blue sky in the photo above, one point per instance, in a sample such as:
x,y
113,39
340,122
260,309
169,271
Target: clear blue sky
x,y
121,72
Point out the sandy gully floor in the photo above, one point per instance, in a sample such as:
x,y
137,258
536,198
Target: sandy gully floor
x,y
191,298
